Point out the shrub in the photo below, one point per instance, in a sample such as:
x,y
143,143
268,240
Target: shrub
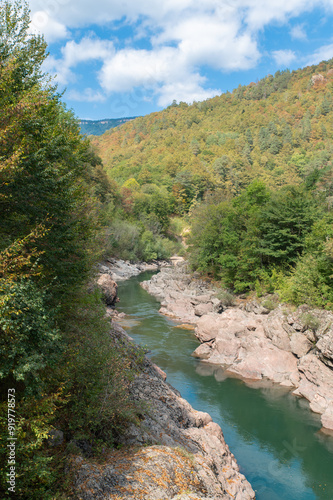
x,y
226,297
307,284
270,303
99,371
310,321
29,338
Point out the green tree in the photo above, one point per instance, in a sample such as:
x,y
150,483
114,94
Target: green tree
x,y
50,183
284,222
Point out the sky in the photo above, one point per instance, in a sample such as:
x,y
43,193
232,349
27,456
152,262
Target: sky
x,y
123,58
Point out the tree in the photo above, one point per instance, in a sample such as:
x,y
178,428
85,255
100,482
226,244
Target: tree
x,y
45,164
284,222
20,52
47,225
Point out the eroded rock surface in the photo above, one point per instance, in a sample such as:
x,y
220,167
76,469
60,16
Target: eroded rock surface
x,y
123,269
181,296
109,289
291,348
176,453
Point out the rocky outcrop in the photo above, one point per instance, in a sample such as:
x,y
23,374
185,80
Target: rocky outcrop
x,y
182,297
291,348
123,269
109,289
176,453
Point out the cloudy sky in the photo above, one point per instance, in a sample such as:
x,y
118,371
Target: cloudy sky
x,y
120,58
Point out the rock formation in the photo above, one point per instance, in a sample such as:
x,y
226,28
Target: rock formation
x,y
109,289
294,349
123,269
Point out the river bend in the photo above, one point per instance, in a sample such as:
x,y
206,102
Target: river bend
x,y
273,435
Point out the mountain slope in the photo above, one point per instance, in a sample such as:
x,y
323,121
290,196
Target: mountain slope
x,y
279,129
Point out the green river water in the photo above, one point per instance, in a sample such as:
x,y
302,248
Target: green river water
x,y
274,436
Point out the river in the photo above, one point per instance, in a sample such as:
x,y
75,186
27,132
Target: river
x,y
273,435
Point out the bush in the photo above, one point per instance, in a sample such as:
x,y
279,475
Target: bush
x,y
310,321
99,371
124,239
37,470
270,303
29,338
131,241
227,298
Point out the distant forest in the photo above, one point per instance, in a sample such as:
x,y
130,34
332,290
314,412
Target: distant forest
x,y
98,127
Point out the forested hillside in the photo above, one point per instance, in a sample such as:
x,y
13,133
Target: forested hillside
x,y
279,129
59,368
199,162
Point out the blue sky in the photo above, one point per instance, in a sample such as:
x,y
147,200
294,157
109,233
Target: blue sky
x,y
118,58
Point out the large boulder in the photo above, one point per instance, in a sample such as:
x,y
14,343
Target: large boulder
x,y
300,345
203,308
258,358
109,289
208,327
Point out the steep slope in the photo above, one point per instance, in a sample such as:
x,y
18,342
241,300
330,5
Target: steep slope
x,y
278,129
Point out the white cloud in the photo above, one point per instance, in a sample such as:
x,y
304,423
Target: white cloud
x,y
57,69
259,13
165,72
42,23
187,91
88,95
130,68
73,53
255,13
284,57
322,54
298,32
205,40
189,35
87,49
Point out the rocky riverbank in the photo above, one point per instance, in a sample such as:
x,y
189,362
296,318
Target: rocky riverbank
x,y
293,348
175,453
120,270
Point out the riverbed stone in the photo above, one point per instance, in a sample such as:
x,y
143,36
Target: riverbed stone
x,y
180,309
327,417
204,351
316,385
272,363
208,327
276,329
255,307
202,309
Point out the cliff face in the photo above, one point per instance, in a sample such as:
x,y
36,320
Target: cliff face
x,y
176,452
